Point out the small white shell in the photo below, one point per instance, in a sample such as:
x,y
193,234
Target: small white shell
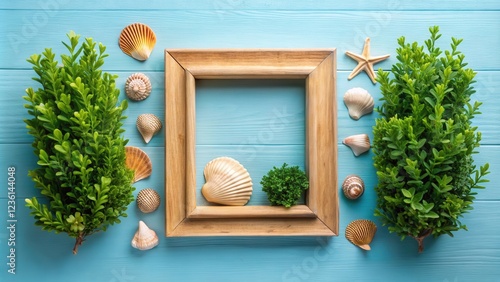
x,y
359,143
353,187
138,161
360,232
148,125
227,182
145,238
359,102
138,87
148,200
137,40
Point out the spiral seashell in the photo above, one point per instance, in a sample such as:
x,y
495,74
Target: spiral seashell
x,y
145,238
138,161
360,232
138,87
358,102
359,143
137,40
148,125
353,187
227,182
148,200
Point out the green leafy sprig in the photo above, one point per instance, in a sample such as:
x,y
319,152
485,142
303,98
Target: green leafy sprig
x,y
284,185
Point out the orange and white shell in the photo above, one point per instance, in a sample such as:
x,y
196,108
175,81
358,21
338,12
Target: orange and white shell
x,y
360,232
358,102
353,187
138,87
227,182
148,125
359,143
148,200
145,238
138,161
137,40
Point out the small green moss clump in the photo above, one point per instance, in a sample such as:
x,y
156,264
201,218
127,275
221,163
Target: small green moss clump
x,y
284,185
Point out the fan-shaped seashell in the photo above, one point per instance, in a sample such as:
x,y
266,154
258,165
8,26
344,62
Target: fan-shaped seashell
x,y
145,238
360,232
227,182
138,87
359,143
137,40
353,187
138,161
148,125
148,200
359,102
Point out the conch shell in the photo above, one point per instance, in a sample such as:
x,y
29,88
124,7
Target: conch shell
x,y
227,182
148,125
138,161
359,102
138,87
360,232
148,200
145,238
359,143
137,40
353,187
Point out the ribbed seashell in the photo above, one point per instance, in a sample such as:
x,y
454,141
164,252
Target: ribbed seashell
x,y
358,102
148,200
148,125
145,238
353,187
360,232
227,182
138,87
138,161
137,40
359,143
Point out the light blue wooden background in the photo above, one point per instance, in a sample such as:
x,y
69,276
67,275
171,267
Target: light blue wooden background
x,y
29,26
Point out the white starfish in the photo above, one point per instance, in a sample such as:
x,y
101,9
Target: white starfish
x,y
365,62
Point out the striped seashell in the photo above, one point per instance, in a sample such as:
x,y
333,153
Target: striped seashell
x,y
138,161
359,143
137,40
145,238
360,232
353,187
138,87
148,200
148,125
358,102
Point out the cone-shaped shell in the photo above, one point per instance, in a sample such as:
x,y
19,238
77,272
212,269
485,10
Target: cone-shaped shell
x,y
148,125
358,102
148,200
359,143
353,187
138,161
138,87
227,182
360,232
137,40
145,238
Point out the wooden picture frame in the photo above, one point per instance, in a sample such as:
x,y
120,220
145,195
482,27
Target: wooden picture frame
x,y
319,216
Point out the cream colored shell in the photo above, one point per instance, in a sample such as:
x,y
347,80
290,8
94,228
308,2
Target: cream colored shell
x,y
145,238
148,125
148,200
138,161
358,102
137,40
353,187
227,182
359,143
360,232
138,87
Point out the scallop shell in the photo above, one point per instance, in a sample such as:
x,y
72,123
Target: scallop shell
x,y
138,161
137,40
148,125
148,200
145,238
138,87
359,143
227,182
360,232
359,102
353,187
